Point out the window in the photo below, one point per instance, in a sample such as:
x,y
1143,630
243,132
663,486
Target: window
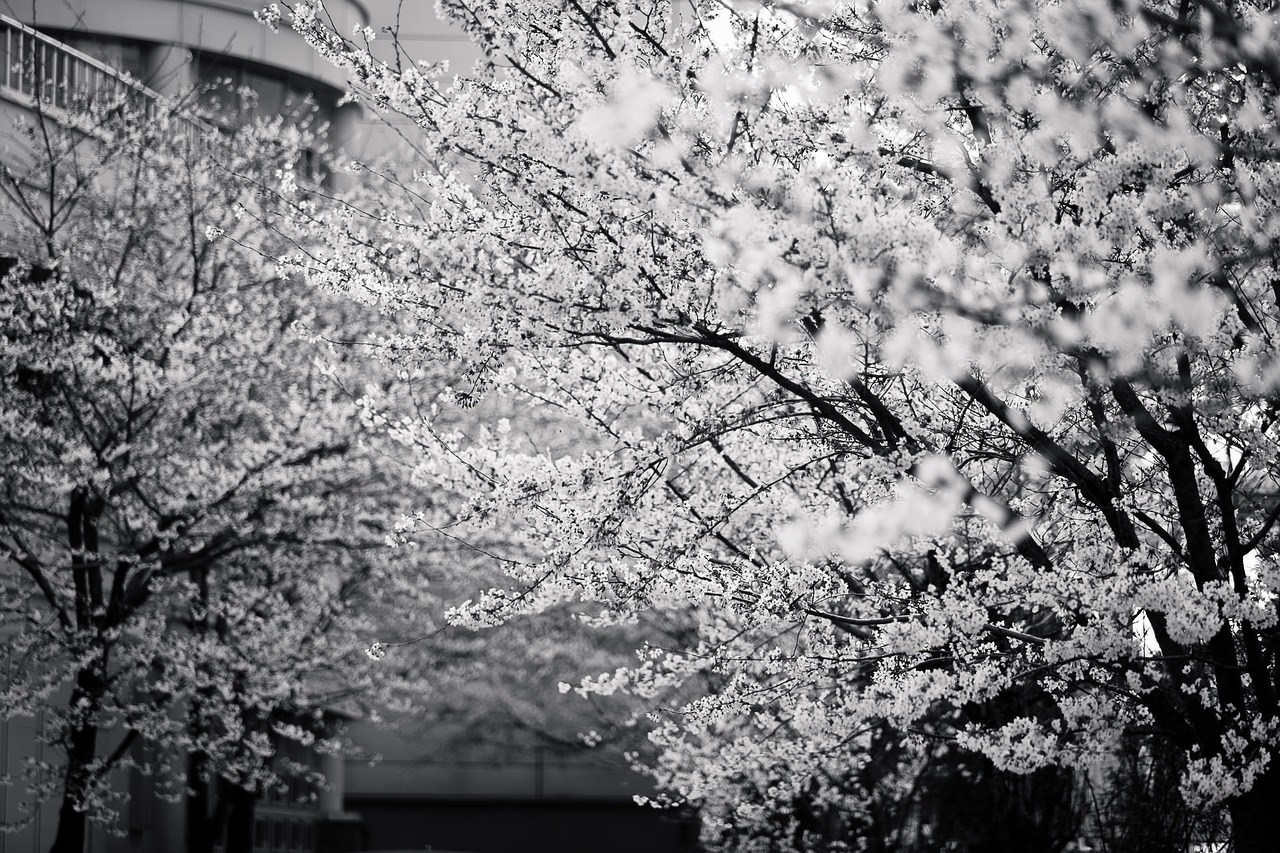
x,y
233,92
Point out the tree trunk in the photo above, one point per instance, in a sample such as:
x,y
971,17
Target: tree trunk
x,y
202,827
240,819
82,747
82,737
1255,816
201,832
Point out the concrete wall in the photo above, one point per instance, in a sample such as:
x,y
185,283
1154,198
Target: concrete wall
x,y
503,796
224,27
516,826
179,29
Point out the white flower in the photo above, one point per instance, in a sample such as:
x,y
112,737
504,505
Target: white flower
x,y
269,17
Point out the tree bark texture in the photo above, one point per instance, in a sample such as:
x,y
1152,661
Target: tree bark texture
x,y
1255,816
243,803
82,745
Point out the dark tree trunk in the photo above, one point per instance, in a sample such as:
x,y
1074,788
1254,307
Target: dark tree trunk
x,y
82,747
81,739
206,828
220,791
1255,816
201,831
242,802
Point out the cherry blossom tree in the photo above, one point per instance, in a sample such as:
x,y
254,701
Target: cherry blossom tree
x,y
193,523
919,360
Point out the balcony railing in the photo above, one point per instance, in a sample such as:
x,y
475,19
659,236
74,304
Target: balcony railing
x,y
43,72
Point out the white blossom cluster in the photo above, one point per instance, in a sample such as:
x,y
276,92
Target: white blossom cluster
x,y
910,365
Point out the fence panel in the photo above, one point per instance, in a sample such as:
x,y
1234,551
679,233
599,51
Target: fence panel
x,y
40,68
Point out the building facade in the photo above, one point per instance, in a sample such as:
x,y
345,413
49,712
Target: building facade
x,y
499,788
176,46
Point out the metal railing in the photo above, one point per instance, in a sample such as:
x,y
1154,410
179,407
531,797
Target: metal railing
x,y
43,72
